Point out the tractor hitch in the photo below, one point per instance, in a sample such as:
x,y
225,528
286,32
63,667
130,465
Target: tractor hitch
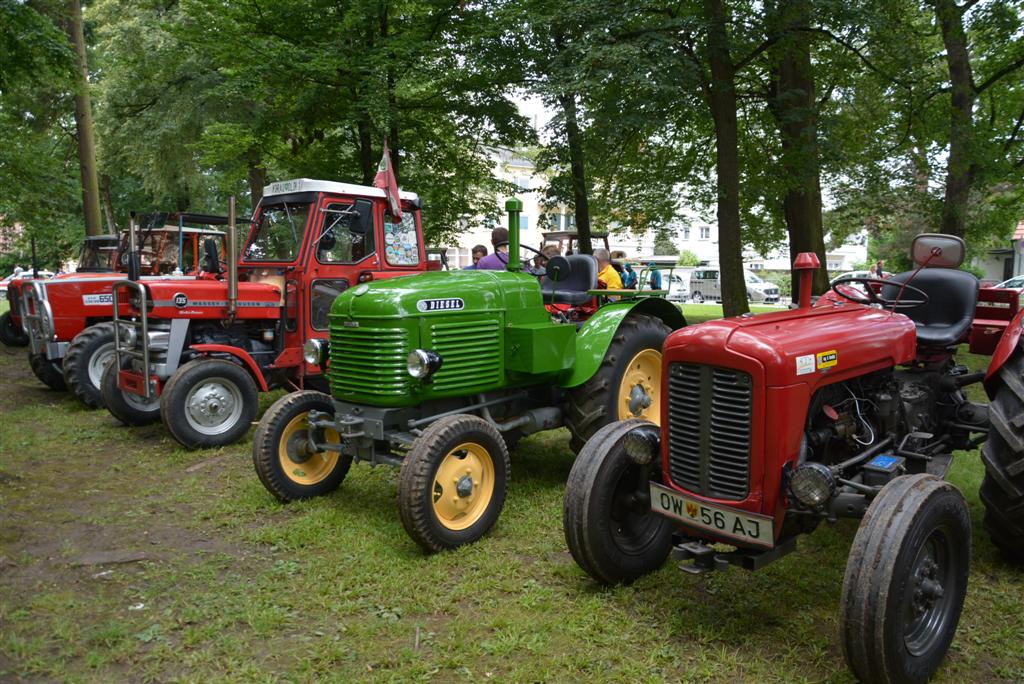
x,y
706,559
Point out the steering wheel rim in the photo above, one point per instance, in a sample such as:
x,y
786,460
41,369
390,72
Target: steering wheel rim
x,y
872,297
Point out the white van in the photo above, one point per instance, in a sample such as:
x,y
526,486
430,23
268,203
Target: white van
x,y
705,285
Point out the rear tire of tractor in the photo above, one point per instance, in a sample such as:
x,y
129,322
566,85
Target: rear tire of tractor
x,y
209,403
1002,490
11,334
88,356
453,483
130,409
599,400
609,526
47,372
906,579
282,460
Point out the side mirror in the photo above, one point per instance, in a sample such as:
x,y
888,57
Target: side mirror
x,y
558,268
936,250
363,224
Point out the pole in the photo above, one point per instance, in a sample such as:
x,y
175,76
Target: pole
x,y
133,254
514,207
232,261
181,245
35,264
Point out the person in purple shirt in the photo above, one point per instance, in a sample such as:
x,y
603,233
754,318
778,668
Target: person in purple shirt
x,y
498,260
479,252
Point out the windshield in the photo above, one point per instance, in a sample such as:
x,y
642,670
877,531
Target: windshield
x,y
278,235
751,278
97,255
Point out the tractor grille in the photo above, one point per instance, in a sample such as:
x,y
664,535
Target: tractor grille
x,y
471,353
709,430
369,361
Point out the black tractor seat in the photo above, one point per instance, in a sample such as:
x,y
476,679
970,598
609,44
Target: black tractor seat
x,y
949,313
572,290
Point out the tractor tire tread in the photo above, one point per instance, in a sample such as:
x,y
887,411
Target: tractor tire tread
x,y
47,372
174,420
73,370
11,334
1002,489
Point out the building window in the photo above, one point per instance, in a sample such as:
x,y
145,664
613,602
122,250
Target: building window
x,y
705,232
686,232
570,221
523,182
524,223
756,267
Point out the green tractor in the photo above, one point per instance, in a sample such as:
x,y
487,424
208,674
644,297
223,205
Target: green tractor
x,y
440,374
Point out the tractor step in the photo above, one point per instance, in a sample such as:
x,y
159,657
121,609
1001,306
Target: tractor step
x,y
706,559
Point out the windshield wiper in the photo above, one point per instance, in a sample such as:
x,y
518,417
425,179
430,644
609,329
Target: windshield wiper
x,y
291,222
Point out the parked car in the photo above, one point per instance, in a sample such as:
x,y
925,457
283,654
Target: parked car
x,y
24,275
705,285
1014,283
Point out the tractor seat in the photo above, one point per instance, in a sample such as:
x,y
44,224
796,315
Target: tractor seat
x,y
572,290
952,298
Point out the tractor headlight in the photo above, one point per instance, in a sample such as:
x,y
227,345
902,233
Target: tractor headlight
x,y
314,352
642,444
129,336
423,363
812,484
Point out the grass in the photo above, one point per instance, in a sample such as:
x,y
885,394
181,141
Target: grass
x,y
236,587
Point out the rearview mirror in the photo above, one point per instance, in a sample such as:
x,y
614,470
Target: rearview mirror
x,y
936,250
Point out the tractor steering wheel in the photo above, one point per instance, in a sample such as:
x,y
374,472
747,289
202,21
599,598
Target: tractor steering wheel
x,y
872,297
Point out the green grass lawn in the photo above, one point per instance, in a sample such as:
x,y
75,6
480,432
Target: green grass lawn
x,y
125,558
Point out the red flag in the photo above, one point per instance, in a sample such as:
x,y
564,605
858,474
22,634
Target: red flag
x,y
385,180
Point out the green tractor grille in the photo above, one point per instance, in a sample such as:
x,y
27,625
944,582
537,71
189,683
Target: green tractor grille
x,y
471,353
369,361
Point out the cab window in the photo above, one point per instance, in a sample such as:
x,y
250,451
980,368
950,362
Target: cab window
x,y
347,235
401,247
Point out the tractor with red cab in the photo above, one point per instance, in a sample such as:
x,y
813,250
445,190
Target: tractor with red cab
x,y
67,319
850,407
196,354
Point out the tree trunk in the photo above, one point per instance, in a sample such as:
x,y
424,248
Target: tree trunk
x,y
108,205
577,169
722,98
83,123
366,151
959,168
793,104
257,178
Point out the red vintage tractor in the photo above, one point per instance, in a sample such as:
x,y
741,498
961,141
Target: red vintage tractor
x,y
773,423
208,346
67,319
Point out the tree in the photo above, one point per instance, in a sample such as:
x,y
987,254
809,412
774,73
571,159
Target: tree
x,y
665,245
688,258
83,122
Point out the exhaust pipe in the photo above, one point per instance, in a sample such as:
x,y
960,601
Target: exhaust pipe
x,y
133,254
232,261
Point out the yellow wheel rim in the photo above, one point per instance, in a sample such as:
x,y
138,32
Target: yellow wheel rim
x,y
463,486
640,389
299,464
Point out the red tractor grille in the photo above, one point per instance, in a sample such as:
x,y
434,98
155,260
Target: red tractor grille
x,y
709,414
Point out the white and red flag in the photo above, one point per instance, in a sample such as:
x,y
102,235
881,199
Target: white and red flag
x,y
385,180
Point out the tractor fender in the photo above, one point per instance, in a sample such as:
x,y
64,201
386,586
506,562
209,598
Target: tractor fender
x,y
596,335
1004,350
240,354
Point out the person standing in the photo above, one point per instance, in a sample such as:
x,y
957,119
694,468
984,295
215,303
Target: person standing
x,y
628,276
479,252
499,260
880,268
605,272
654,276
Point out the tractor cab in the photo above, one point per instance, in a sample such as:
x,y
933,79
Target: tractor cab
x,y
98,255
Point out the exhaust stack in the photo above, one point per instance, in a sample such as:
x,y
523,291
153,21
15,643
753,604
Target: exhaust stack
x,y
133,249
807,263
232,260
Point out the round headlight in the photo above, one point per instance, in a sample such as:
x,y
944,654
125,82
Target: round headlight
x,y
313,352
423,363
812,484
641,445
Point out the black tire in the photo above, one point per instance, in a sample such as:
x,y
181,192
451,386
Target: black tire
x,y
281,458
609,526
88,355
208,403
1002,490
130,409
595,403
697,298
48,372
11,334
422,499
906,579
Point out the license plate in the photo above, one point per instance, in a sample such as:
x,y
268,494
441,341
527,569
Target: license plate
x,y
729,523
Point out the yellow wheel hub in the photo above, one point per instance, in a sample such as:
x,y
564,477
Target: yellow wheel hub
x,y
640,389
463,486
299,464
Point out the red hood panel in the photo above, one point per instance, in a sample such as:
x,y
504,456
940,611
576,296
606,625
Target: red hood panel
x,y
209,299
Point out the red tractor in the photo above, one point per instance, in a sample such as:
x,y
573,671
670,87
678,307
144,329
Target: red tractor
x,y
67,319
772,423
197,353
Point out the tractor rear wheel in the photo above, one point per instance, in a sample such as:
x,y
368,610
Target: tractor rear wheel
x,y
1002,490
11,334
48,372
906,579
626,385
209,402
130,409
88,356
609,526
453,482
280,449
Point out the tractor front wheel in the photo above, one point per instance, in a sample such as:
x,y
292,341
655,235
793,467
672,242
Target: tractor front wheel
x,y
208,403
130,409
284,461
1002,490
48,372
626,385
10,333
609,526
906,579
88,356
453,482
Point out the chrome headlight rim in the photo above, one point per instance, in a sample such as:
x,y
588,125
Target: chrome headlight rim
x,y
421,364
314,351
812,484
